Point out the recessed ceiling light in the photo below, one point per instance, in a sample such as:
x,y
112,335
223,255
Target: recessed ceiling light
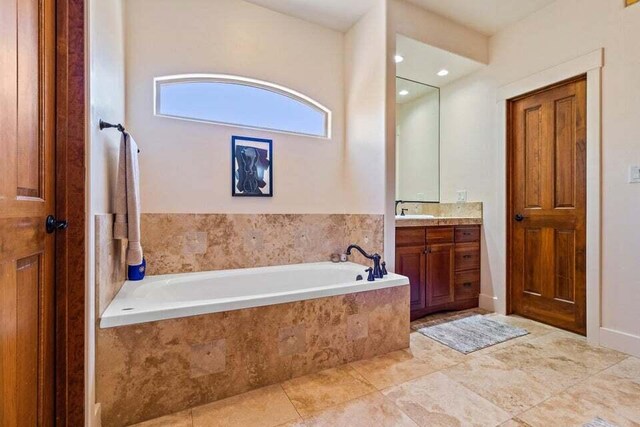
x,y
398,58
403,92
443,72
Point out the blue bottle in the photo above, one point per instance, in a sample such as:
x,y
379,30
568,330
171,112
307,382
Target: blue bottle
x,y
136,272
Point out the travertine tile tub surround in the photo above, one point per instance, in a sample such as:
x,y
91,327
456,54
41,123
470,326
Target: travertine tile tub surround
x,y
152,369
110,265
179,243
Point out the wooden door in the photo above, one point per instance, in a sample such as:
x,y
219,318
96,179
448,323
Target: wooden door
x,y
439,274
547,200
27,56
410,262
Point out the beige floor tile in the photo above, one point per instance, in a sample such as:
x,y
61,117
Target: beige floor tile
x,y
438,355
265,407
515,422
436,400
556,371
567,411
612,393
393,368
179,419
628,368
367,411
315,392
576,348
296,423
509,388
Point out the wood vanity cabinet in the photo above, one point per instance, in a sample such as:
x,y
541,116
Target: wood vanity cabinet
x,y
442,264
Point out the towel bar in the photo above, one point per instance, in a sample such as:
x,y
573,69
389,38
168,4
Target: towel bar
x,y
105,125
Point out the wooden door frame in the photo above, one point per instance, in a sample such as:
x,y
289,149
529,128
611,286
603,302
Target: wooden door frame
x,y
589,64
70,205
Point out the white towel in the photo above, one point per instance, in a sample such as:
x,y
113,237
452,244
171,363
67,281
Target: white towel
x,y
127,200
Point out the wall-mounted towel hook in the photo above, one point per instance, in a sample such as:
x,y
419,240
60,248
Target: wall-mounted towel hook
x,y
106,125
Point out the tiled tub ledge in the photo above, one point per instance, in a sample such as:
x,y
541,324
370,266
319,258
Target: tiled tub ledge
x,y
156,368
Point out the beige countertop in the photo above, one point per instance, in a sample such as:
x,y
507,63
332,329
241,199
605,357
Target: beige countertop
x,y
425,222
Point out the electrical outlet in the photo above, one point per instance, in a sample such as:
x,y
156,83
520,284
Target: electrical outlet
x,y
634,174
462,196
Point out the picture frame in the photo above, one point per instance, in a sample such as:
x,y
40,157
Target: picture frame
x,y
251,167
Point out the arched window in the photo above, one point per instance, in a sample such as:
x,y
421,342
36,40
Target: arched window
x,y
240,101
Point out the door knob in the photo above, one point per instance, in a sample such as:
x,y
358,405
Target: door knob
x,y
53,224
519,217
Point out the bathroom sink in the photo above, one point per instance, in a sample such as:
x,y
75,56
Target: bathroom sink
x,y
406,217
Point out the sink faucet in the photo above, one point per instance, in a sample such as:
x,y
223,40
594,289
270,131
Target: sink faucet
x,y
377,271
403,211
398,202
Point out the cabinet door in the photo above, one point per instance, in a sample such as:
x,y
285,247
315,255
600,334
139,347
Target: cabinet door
x,y
439,274
410,262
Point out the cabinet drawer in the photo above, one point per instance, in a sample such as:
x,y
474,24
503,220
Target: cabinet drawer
x,y
439,234
467,256
467,285
467,234
410,236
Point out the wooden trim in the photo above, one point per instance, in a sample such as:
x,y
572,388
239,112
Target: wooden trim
x,y
509,201
70,204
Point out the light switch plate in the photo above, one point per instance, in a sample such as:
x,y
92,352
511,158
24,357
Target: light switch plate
x,y
634,174
462,196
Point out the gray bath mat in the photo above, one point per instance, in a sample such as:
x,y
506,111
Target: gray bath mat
x,y
599,422
472,333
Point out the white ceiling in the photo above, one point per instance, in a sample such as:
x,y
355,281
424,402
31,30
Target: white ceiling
x,y
339,15
485,16
422,63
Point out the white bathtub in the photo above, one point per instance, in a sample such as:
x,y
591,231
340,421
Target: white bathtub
x,y
189,294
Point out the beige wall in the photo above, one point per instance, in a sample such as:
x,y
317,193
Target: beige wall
x,y
473,153
185,166
106,98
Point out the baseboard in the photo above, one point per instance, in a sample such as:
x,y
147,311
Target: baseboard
x,y
621,341
487,302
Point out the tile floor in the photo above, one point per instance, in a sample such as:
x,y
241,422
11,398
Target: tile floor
x,y
547,378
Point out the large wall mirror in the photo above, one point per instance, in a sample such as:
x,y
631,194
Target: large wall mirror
x,y
417,141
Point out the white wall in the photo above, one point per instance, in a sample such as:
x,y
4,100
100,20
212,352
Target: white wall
x,y
186,166
473,152
365,55
417,148
419,24
106,99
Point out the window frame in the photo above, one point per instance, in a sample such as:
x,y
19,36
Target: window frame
x,y
245,81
